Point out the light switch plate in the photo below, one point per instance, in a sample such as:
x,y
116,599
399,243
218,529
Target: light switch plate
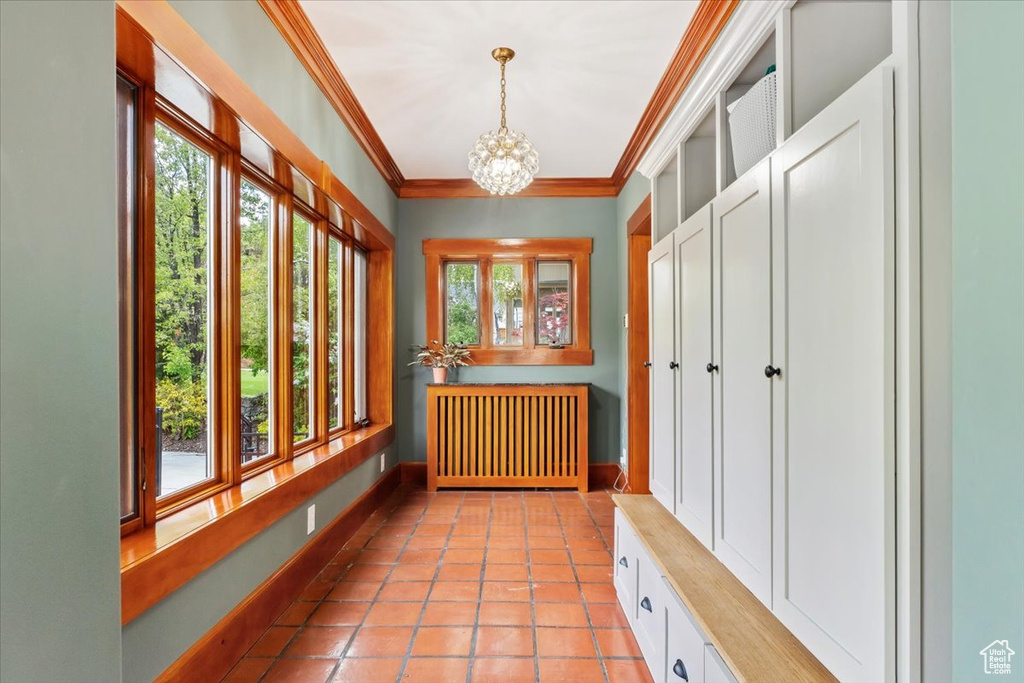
x,y
310,519
383,461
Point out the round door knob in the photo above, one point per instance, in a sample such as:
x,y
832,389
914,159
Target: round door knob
x,y
710,367
771,371
673,365
679,669
646,604
647,363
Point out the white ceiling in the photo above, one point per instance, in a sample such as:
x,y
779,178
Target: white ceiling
x,y
583,73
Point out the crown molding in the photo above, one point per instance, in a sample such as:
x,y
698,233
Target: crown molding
x,y
747,29
451,188
707,23
293,24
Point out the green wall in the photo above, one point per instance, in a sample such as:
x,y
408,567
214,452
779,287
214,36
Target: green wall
x,y
420,219
634,191
59,540
988,332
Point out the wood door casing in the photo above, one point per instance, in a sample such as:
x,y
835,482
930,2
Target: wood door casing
x,y
638,414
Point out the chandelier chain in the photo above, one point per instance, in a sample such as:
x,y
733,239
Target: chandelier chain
x,y
503,127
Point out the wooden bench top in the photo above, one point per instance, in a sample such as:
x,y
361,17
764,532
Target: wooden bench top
x,y
750,639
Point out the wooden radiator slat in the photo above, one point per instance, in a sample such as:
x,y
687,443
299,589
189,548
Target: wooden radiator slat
x,y
507,435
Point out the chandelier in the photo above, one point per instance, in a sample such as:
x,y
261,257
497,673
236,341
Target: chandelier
x,y
503,162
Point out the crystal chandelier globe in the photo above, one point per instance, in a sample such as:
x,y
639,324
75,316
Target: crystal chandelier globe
x,y
504,161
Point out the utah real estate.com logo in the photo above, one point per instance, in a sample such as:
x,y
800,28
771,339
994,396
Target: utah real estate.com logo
x,y
997,657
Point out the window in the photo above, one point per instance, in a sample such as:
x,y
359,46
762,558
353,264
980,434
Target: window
x,y
182,312
554,302
512,301
240,284
359,322
335,333
461,310
126,228
256,239
507,295
302,329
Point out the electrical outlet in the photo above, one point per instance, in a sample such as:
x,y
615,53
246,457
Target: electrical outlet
x,y
383,461
625,321
623,457
310,519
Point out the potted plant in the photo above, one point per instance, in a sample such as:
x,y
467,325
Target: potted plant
x,y
439,357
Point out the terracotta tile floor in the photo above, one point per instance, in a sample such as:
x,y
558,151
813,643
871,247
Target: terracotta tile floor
x,y
460,586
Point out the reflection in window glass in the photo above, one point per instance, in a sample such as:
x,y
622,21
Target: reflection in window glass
x,y
302,333
126,171
462,320
182,211
507,294
554,302
359,334
255,322
334,332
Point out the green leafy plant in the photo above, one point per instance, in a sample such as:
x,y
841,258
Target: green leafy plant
x,y
184,406
437,355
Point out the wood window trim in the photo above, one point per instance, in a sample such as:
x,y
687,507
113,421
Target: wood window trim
x,y
577,250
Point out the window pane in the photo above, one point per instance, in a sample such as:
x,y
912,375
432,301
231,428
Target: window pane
x,y
302,270
255,321
126,172
462,321
507,292
334,332
359,334
554,302
183,182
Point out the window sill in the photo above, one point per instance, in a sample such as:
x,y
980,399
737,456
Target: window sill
x,y
157,560
570,355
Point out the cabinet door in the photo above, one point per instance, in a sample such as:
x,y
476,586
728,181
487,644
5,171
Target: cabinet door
x,y
694,458
834,400
663,374
743,318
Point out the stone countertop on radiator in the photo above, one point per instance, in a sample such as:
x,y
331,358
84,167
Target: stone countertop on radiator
x,y
508,384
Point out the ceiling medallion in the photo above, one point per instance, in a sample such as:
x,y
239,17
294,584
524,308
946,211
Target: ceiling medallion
x,y
503,162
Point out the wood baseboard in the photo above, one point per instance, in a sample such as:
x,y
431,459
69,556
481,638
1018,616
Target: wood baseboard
x,y
601,474
213,655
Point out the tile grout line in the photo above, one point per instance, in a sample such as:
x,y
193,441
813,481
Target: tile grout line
x,y
480,593
433,581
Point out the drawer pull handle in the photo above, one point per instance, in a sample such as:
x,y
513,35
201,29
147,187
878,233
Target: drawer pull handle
x,y
624,562
646,604
679,669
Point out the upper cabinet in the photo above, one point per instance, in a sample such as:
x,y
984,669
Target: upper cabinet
x,y
776,65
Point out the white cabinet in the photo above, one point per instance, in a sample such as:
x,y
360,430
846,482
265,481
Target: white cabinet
x,y
834,464
662,372
693,485
625,564
742,436
649,624
684,643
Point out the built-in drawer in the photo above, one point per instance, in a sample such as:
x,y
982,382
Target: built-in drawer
x,y
715,670
649,626
684,642
624,564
